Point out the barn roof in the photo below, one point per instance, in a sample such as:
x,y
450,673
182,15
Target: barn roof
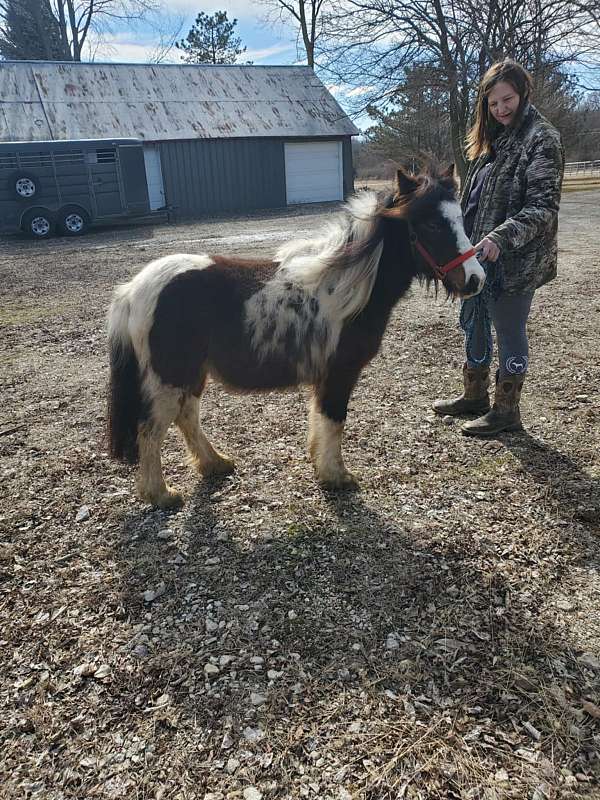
x,y
42,100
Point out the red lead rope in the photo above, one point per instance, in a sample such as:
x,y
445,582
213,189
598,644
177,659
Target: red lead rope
x,y
438,271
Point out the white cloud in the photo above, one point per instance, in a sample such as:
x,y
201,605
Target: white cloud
x,y
235,8
259,54
344,90
359,90
122,48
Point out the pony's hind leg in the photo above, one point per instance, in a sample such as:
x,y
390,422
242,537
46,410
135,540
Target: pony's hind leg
x,y
327,415
205,458
164,407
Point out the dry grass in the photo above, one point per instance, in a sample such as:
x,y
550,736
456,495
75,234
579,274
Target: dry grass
x,y
435,635
572,183
581,183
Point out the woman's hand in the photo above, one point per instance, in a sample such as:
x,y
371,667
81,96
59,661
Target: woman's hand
x,y
487,250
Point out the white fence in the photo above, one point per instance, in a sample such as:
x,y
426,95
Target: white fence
x,y
582,168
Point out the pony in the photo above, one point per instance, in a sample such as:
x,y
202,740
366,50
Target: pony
x,y
314,315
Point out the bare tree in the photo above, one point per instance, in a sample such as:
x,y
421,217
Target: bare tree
x,y
371,43
416,122
585,143
305,15
167,40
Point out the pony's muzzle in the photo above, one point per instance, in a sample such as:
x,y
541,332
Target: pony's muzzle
x,y
474,278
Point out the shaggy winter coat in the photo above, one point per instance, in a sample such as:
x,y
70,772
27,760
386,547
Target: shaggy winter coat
x,y
518,208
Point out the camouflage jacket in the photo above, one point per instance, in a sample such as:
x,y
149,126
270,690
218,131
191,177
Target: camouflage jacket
x,y
518,208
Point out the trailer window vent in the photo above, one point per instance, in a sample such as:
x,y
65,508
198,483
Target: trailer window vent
x,y
70,157
29,160
107,155
8,162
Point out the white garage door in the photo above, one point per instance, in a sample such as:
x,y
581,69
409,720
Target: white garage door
x,y
156,191
313,172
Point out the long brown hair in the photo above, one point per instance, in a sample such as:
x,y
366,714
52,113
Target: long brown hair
x,y
484,128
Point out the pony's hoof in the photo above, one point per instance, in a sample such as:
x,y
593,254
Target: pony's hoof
x,y
171,499
167,499
344,481
220,466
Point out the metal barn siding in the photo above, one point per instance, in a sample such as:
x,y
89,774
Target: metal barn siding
x,y
214,175
207,176
348,166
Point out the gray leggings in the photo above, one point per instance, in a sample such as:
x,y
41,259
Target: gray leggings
x,y
508,313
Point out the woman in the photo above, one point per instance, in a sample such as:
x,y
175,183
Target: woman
x,y
510,207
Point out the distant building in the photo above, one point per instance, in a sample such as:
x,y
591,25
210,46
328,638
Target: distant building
x,y
216,138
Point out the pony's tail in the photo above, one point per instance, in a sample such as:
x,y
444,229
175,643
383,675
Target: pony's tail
x,y
125,402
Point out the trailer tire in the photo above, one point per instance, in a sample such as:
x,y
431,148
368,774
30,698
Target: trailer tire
x,y
73,221
38,223
24,186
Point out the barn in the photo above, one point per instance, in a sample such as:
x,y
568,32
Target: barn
x,y
216,138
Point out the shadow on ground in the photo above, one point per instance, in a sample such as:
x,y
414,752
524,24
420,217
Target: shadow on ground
x,y
393,663
574,490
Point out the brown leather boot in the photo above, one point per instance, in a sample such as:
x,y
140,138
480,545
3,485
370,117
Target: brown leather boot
x,y
474,399
505,414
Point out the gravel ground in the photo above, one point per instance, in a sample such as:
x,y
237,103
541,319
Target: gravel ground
x,y
435,635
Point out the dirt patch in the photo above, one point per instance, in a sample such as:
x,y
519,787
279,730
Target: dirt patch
x,y
436,635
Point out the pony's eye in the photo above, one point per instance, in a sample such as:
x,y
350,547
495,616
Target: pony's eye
x,y
431,226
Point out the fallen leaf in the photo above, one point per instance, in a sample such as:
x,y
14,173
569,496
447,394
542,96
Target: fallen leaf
x,y
591,708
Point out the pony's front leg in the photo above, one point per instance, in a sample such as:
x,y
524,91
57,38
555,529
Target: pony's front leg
x,y
326,418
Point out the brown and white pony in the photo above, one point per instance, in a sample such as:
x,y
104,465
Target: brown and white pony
x,y
314,315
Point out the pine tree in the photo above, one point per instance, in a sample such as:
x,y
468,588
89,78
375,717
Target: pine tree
x,y
212,40
29,30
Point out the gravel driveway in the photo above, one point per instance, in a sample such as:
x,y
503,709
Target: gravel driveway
x,y
435,635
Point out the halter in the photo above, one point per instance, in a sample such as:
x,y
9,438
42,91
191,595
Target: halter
x,y
439,272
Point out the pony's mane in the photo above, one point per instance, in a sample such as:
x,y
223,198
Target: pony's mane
x,y
344,260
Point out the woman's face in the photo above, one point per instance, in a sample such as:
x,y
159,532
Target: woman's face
x,y
503,102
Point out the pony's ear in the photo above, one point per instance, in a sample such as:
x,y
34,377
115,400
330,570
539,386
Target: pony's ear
x,y
406,183
448,172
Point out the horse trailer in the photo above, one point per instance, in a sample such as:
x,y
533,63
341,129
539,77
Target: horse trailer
x,y
66,186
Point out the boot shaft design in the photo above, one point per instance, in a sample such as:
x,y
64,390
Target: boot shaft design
x,y
508,393
476,381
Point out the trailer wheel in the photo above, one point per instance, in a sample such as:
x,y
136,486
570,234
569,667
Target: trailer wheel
x,y
24,185
73,221
37,223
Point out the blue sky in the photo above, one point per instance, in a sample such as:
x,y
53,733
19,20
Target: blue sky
x,y
264,44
